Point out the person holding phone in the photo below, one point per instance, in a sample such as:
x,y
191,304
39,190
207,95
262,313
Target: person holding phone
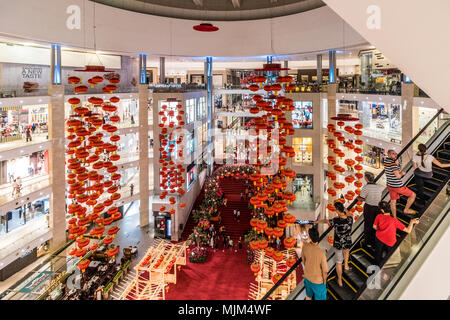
x,y
342,237
386,231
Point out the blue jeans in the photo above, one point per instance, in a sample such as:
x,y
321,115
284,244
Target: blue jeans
x,y
319,291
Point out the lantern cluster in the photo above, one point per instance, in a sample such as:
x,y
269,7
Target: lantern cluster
x,y
171,121
344,158
92,175
269,151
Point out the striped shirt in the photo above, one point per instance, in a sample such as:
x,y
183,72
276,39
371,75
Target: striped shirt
x,y
372,193
389,167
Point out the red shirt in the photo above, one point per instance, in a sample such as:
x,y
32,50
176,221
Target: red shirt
x,y
387,229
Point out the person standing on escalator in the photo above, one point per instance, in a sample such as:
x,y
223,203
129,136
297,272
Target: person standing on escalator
x,y
386,231
315,269
423,165
342,243
371,195
395,184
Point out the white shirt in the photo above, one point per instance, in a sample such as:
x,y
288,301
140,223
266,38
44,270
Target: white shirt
x,y
427,161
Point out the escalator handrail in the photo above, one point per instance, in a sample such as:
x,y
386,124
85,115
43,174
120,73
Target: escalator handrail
x,y
299,260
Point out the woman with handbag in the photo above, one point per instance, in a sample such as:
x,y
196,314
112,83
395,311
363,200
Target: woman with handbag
x,y
423,165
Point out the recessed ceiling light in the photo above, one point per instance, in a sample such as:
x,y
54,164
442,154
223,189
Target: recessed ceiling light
x,y
21,101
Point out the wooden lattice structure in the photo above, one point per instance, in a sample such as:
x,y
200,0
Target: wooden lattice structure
x,y
156,270
269,267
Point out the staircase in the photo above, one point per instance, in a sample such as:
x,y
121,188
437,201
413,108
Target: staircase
x,y
232,187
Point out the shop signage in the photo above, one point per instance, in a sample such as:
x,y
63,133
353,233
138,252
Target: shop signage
x,y
41,278
31,72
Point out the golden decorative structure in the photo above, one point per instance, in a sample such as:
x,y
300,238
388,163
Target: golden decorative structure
x,y
269,267
156,270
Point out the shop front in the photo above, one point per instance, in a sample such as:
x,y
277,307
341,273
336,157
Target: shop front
x,y
303,151
24,168
382,121
23,122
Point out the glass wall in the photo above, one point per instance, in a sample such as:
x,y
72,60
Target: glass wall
x,y
22,215
303,150
190,110
302,116
302,187
202,108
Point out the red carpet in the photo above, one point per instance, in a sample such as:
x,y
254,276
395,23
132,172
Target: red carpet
x,y
224,276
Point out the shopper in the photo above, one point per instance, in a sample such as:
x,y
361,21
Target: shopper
x,y
28,134
371,194
395,184
342,237
240,243
423,165
315,269
238,215
234,214
131,189
386,230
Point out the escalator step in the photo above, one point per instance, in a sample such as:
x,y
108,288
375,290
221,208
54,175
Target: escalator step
x,y
362,259
342,293
355,277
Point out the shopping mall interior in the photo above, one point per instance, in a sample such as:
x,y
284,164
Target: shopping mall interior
x,y
187,149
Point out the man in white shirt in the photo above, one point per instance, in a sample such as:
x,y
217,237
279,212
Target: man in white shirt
x,y
371,194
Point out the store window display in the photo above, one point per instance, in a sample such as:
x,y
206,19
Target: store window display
x,y
23,123
190,110
202,108
302,116
302,187
303,150
191,174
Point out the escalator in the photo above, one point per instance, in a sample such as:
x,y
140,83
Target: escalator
x,y
361,257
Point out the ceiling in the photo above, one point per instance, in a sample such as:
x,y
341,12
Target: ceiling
x,y
216,10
